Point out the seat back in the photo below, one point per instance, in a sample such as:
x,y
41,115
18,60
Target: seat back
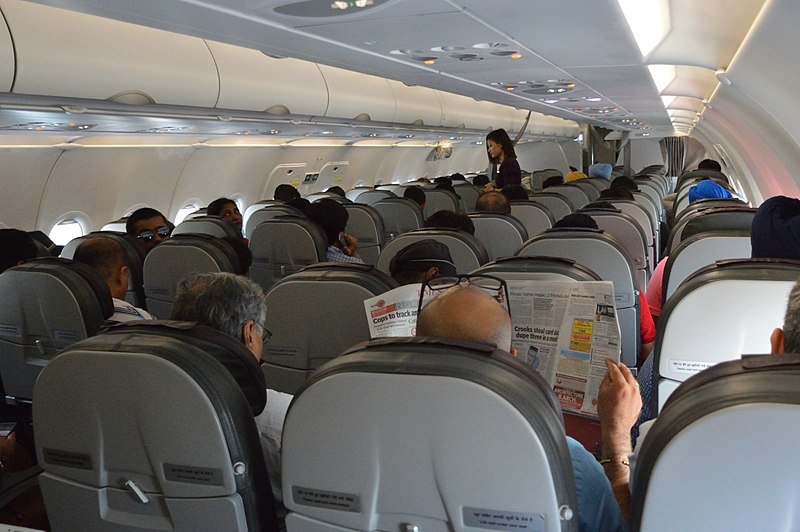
x,y
704,204
285,245
117,226
459,389
399,215
469,195
607,257
468,252
180,257
589,188
134,260
701,250
630,234
268,213
371,196
501,234
46,305
354,193
301,342
711,218
256,207
740,302
598,182
711,422
366,224
206,225
440,200
649,224
327,195
172,445
534,216
698,175
558,205
540,176
537,269
577,197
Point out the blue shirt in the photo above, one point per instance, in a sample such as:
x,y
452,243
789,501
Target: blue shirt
x,y
337,255
597,507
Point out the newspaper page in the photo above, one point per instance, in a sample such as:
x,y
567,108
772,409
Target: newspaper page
x,y
394,313
566,330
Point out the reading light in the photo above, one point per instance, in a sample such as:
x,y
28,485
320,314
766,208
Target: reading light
x,y
648,20
516,56
429,61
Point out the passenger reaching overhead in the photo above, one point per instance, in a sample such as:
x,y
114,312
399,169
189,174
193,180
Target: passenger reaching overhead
x,y
16,247
501,150
226,209
470,313
107,258
235,306
421,261
149,226
285,193
332,217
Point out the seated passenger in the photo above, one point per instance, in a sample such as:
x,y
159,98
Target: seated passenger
x,y
625,182
227,210
16,247
332,217
107,258
480,180
574,175
417,194
708,189
243,252
149,226
470,313
775,233
616,193
515,192
493,201
299,203
620,401
235,306
421,261
339,191
445,219
285,193
601,170
552,181
709,164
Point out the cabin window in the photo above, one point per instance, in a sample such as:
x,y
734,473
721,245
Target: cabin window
x,y
66,230
185,211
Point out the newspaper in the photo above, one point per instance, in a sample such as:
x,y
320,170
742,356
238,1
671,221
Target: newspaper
x,y
564,330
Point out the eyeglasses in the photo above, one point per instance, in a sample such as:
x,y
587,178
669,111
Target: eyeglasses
x,y
263,332
147,235
494,286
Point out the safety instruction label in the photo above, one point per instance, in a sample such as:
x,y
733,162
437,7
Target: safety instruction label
x,y
688,366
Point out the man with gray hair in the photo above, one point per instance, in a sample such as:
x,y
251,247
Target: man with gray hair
x,y
235,306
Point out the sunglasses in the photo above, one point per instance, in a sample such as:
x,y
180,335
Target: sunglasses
x,y
494,286
147,235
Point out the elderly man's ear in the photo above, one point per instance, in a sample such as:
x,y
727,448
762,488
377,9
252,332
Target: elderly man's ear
x,y
776,341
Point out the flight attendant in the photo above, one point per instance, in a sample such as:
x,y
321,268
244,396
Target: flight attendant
x,y
501,150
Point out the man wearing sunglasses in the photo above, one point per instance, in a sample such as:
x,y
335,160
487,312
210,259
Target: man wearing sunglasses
x,y
468,310
149,226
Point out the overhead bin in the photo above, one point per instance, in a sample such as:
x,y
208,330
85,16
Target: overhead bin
x,y
6,57
252,81
63,53
463,112
358,96
418,105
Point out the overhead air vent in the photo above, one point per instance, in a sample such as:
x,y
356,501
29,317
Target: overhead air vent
x,y
551,86
327,8
49,126
132,98
278,110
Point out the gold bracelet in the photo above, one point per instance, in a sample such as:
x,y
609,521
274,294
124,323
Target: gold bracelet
x,y
604,461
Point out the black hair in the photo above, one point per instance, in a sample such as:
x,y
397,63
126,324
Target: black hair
x,y
709,164
499,136
330,215
617,193
450,220
299,203
576,220
480,180
285,192
415,193
215,207
15,246
242,251
514,192
145,213
625,182
339,191
553,181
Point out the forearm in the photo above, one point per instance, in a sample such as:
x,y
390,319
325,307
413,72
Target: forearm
x,y
616,449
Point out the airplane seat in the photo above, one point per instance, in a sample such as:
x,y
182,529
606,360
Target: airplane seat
x,y
366,224
207,225
538,178
600,183
370,196
654,209
47,305
44,246
328,195
468,252
399,215
391,187
199,213
355,192
701,174
469,195
268,213
700,250
410,442
285,245
440,200
534,216
173,443
501,234
725,310
629,232
134,259
258,206
589,188
558,204
695,472
301,341
179,257
701,205
118,225
607,257
576,195
710,218
537,269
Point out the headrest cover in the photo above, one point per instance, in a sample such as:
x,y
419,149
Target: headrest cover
x,y
601,170
775,233
422,255
574,176
708,189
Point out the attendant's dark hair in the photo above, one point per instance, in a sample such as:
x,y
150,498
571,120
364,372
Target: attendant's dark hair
x,y
499,136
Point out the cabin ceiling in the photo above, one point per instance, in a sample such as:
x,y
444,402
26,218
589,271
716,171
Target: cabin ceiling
x,y
578,59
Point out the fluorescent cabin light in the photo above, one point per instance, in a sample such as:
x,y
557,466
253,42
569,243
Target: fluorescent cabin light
x,y
662,75
649,22
667,100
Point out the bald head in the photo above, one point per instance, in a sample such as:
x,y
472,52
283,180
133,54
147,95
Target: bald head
x,y
493,202
466,313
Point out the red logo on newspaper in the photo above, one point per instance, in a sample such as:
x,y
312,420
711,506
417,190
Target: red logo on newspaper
x,y
384,310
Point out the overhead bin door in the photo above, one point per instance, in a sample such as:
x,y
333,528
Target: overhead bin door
x,y
352,95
